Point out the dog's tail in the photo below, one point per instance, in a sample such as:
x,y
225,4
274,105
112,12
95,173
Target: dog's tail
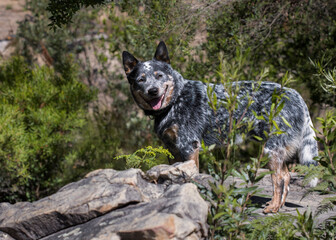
x,y
308,149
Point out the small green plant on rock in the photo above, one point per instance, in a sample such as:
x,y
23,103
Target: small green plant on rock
x,y
146,158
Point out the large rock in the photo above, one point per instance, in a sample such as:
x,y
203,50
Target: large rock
x,y
109,204
178,214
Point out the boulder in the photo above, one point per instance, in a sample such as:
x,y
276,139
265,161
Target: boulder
x,y
5,236
110,204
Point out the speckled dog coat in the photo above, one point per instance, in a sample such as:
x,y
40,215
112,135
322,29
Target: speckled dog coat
x,y
183,117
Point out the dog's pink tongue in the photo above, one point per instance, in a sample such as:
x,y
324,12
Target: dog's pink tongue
x,y
156,103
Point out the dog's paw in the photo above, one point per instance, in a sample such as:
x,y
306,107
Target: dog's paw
x,y
271,209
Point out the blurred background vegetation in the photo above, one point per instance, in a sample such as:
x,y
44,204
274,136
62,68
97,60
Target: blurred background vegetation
x,y
65,105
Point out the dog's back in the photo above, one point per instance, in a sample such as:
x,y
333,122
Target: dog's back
x,y
294,120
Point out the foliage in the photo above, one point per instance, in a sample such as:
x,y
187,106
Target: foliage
x,y
282,36
326,136
326,171
231,206
115,126
327,157
147,157
63,11
292,227
41,113
268,227
328,81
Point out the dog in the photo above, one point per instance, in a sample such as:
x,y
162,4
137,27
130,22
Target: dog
x,y
183,117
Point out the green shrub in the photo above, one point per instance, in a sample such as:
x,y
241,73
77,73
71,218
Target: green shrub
x,y
282,36
146,158
40,114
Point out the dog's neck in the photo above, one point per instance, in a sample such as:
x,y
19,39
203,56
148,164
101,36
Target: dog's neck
x,y
158,113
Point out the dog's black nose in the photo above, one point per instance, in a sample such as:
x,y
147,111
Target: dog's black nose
x,y
153,91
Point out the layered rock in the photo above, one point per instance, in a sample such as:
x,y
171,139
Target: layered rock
x,y
109,204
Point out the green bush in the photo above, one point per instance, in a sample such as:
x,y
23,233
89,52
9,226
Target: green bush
x,y
40,114
282,35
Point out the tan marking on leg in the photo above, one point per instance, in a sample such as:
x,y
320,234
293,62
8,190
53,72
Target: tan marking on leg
x,y
195,156
171,133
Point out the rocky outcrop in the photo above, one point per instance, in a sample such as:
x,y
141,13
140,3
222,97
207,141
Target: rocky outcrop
x,y
109,204
162,203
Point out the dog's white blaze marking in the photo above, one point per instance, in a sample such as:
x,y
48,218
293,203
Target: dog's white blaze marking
x,y
147,66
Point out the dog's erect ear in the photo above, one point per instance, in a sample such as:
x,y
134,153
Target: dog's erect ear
x,y
129,62
161,53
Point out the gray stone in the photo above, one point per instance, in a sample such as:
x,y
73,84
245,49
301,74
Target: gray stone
x,y
109,204
178,214
5,236
98,193
176,173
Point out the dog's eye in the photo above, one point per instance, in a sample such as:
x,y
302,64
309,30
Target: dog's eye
x,y
142,79
158,76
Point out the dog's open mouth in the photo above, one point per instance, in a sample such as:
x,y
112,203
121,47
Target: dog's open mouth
x,y
156,103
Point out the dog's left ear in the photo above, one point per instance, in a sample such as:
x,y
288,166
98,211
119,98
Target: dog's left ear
x,y
161,53
129,62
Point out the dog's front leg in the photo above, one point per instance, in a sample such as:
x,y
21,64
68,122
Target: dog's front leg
x,y
186,154
183,147
195,154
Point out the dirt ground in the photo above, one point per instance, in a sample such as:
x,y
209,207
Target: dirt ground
x,y
11,11
296,199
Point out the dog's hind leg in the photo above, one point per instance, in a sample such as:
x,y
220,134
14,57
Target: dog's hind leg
x,y
280,181
286,181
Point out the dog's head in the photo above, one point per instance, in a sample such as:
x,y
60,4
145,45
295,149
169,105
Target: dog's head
x,y
151,82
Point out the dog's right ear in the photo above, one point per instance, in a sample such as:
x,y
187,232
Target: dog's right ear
x,y
161,53
129,62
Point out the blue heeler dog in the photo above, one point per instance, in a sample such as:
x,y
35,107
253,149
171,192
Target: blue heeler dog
x,y
183,116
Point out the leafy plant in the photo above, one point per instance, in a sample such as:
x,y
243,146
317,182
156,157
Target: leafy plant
x,y
326,171
146,158
40,115
282,36
62,12
327,158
